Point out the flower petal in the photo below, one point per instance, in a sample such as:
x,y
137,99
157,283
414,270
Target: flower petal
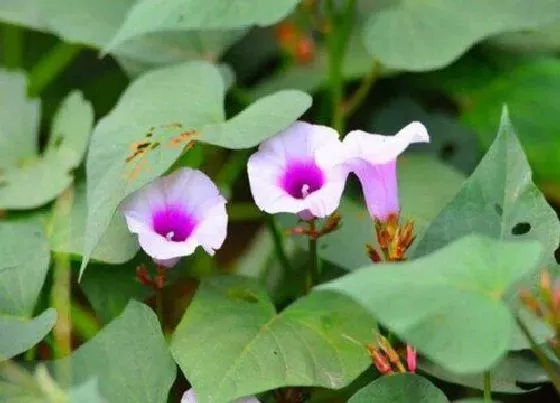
x,y
378,149
302,144
379,185
211,232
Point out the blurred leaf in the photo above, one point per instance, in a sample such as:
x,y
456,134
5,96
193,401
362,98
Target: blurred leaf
x,y
87,392
19,117
314,75
399,388
148,16
539,40
19,334
129,359
427,35
529,90
94,23
469,277
39,180
425,186
23,267
110,288
67,234
314,342
498,200
515,367
156,120
449,141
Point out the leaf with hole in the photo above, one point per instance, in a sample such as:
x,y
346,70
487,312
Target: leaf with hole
x,y
317,341
470,278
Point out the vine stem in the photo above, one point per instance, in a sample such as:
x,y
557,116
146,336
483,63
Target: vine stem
x,y
553,375
61,288
314,276
340,28
487,387
278,241
363,90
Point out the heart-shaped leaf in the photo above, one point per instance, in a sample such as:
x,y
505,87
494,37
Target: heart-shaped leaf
x,y
469,277
317,341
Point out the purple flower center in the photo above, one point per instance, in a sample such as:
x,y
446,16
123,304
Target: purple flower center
x,y
174,223
301,179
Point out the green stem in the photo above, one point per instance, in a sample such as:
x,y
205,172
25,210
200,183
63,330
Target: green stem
x,y
159,306
278,241
61,289
337,39
83,322
363,90
553,375
487,387
314,276
12,43
49,67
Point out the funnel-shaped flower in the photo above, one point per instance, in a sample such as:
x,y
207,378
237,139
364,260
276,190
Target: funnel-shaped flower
x,y
175,214
373,158
300,170
189,397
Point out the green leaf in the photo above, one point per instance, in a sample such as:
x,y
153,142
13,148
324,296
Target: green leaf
x,y
19,117
425,35
498,200
87,392
157,111
140,370
94,23
67,234
110,288
399,388
19,334
259,121
148,16
49,174
528,89
317,341
421,201
23,267
469,277
515,367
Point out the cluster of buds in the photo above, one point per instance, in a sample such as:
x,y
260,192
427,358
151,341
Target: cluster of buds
x,y
546,305
393,239
156,282
294,42
387,360
332,223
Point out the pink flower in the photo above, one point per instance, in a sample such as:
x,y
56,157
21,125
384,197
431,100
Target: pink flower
x,y
373,158
300,170
175,214
189,397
